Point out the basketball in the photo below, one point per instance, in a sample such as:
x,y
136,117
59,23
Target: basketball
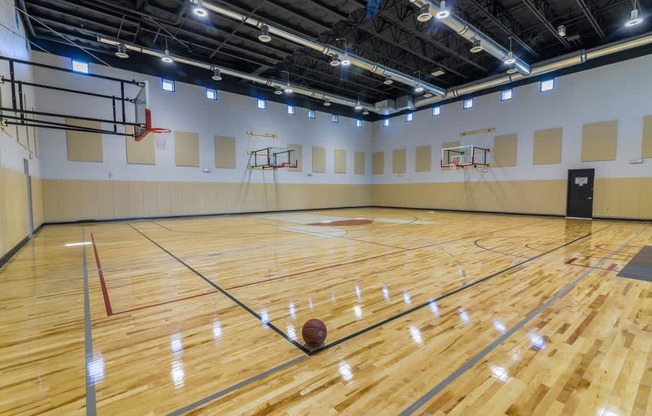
x,y
314,332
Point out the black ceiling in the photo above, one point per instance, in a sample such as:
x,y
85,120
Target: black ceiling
x,y
384,31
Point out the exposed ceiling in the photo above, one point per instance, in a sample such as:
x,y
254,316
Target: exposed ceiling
x,y
386,32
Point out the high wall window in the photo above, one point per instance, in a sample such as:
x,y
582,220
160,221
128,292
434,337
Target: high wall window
x,y
335,118
261,104
79,66
436,111
312,114
359,123
168,85
506,95
547,85
211,94
385,122
468,103
292,110
409,117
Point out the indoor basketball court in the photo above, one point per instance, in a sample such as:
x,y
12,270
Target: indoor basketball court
x,y
279,207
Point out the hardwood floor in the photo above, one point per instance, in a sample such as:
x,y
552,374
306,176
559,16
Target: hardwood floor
x,y
428,313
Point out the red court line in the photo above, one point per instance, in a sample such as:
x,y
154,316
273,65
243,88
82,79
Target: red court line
x,y
105,293
611,268
571,261
164,303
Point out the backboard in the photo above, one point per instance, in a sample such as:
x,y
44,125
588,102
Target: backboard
x,y
463,156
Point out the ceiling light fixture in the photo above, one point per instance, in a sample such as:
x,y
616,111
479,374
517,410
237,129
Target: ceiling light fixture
x,y
327,103
388,81
166,57
217,75
365,112
561,30
418,88
278,91
264,34
633,17
428,94
358,105
288,87
444,12
122,51
345,60
424,13
512,70
199,10
510,59
477,46
335,62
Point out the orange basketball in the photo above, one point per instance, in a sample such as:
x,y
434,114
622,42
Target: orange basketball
x,y
314,332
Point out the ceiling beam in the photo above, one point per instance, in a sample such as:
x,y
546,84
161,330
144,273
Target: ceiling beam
x,y
589,16
541,9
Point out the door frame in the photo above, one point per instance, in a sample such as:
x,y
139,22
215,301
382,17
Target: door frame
x,y
569,188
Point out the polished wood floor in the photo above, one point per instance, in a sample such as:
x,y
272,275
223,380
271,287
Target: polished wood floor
x,y
428,313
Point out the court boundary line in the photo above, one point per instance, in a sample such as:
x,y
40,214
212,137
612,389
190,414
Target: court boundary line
x,y
466,366
225,293
105,292
163,303
91,399
446,295
236,386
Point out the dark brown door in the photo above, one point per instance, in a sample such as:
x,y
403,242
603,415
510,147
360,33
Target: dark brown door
x,y
579,201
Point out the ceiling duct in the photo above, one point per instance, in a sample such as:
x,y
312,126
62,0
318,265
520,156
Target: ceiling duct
x,y
328,50
470,33
297,89
544,67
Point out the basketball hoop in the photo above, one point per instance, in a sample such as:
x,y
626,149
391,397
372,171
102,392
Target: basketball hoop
x,y
162,136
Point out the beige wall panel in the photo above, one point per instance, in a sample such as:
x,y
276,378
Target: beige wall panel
x,y
186,149
88,199
547,147
340,161
13,209
37,201
296,155
646,150
630,198
318,159
359,163
645,198
176,198
378,163
150,198
106,198
225,152
163,198
398,161
121,199
505,150
82,146
142,152
599,141
136,200
423,158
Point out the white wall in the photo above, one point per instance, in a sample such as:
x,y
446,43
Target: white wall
x,y
189,110
621,91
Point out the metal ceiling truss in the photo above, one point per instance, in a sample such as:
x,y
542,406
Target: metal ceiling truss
x,y
543,11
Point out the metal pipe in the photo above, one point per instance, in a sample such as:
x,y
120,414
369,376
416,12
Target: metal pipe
x,y
338,99
562,62
328,50
469,32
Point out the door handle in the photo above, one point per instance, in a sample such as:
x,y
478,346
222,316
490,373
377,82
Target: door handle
x,y
590,197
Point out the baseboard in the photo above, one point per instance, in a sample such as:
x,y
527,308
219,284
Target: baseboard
x,y
11,253
475,212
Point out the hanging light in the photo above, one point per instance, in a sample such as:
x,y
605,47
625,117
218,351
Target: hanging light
x,y
122,51
428,94
424,13
633,17
388,81
477,46
217,75
365,112
345,60
444,12
358,105
510,59
166,57
335,62
512,70
264,34
288,87
199,10
278,91
327,103
418,88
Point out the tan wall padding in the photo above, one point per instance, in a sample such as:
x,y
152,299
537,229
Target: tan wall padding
x,y
82,146
296,155
599,141
340,161
14,226
225,152
186,148
547,147
378,163
398,161
318,159
359,163
70,200
37,201
505,150
647,137
423,158
142,152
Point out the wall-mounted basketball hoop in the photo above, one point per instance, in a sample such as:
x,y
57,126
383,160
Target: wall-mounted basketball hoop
x,y
161,134
464,156
272,158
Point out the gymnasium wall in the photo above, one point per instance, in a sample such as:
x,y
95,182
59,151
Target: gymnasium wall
x,y
592,119
111,177
16,144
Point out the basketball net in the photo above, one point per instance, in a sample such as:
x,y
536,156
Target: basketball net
x,y
162,136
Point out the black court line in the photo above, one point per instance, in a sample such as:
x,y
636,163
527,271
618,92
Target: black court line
x,y
235,387
465,287
477,244
160,225
225,293
465,367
